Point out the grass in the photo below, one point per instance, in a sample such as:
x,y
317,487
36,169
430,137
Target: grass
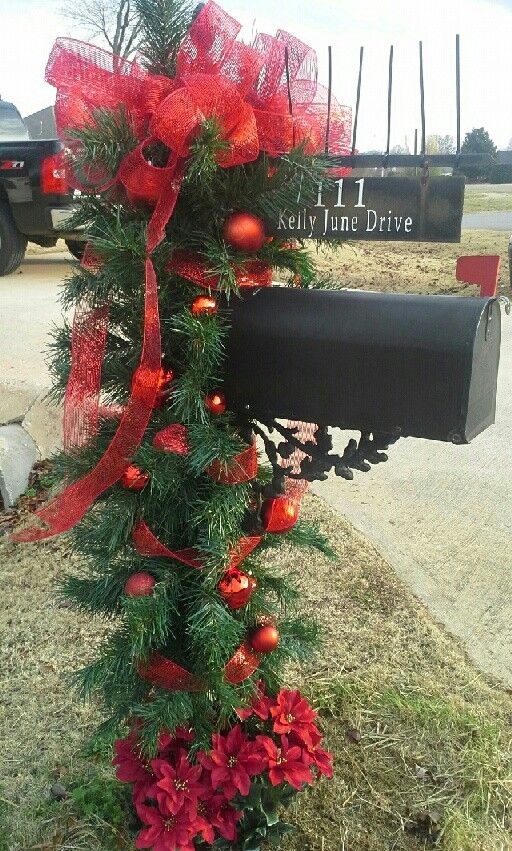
x,y
488,198
422,739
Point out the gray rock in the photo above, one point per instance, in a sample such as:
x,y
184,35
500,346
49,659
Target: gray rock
x,y
18,453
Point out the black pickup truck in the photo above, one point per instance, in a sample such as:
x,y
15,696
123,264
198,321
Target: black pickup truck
x,y
35,199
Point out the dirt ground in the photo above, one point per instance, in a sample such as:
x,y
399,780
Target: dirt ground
x,y
412,267
422,739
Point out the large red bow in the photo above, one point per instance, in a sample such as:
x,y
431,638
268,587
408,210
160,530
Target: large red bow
x,y
258,107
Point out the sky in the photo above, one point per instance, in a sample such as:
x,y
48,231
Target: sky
x,y
29,27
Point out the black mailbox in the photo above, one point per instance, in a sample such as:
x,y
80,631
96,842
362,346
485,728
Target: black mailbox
x,y
426,365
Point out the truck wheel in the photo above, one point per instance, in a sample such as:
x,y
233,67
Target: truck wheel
x,y
76,248
12,243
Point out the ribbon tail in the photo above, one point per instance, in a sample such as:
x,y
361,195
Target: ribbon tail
x,y
81,401
67,509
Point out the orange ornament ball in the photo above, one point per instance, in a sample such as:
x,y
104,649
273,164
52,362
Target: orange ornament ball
x,y
245,232
134,479
139,585
204,305
216,403
279,514
265,639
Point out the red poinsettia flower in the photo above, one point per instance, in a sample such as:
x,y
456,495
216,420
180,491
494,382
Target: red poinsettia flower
x,y
170,744
130,762
322,760
177,785
287,763
232,762
142,793
166,832
316,756
215,812
226,819
293,714
260,705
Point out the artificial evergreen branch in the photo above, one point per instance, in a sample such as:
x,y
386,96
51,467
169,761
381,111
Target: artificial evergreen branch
x,y
163,25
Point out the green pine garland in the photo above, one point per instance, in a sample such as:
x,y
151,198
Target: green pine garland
x,y
184,618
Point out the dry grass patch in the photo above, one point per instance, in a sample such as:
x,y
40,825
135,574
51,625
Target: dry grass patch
x,y
411,267
422,740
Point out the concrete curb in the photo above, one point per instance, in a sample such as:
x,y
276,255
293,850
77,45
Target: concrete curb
x,y
30,430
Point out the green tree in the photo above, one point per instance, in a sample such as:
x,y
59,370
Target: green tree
x,y
478,141
437,144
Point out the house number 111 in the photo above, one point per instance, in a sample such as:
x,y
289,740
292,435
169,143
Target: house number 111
x,y
339,202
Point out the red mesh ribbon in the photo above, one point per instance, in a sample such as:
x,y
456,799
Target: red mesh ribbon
x,y
165,673
70,506
244,547
88,78
144,182
173,438
192,267
242,468
242,665
147,544
88,341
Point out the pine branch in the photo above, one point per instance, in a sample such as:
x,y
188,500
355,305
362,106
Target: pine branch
x,y
164,24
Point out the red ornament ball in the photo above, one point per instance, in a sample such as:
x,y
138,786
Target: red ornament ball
x,y
204,304
139,585
279,514
236,588
265,639
134,479
216,403
164,380
245,232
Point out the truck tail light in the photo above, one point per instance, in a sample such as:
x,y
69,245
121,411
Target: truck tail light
x,y
53,175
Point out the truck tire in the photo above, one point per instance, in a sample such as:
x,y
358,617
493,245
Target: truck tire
x,y
76,248
12,243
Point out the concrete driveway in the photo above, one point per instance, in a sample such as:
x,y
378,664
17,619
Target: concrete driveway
x,y
441,514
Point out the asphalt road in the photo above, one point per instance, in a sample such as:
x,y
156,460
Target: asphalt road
x,y
487,221
441,514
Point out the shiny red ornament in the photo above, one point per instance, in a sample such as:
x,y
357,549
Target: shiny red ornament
x,y
216,403
174,438
279,514
134,479
265,639
139,585
164,379
236,588
204,305
245,232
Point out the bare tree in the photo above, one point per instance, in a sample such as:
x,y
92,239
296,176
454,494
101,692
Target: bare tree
x,y
114,21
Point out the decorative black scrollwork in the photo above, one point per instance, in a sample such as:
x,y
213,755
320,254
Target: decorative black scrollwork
x,y
318,457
